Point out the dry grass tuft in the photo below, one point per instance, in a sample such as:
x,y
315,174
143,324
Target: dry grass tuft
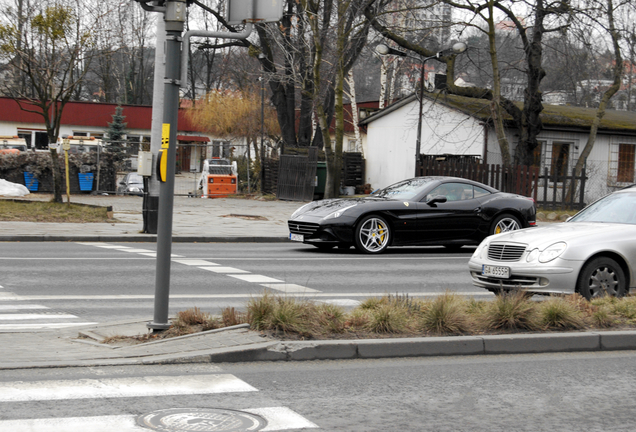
x,y
512,311
231,317
387,318
560,314
446,315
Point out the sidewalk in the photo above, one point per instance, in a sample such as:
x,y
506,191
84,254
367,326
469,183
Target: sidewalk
x,y
194,219
233,220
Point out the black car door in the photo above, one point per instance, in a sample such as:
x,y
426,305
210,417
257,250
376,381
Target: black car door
x,y
457,218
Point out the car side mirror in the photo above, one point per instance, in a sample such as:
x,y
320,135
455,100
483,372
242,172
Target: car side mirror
x,y
436,199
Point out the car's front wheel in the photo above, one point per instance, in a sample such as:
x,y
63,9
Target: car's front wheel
x,y
504,223
372,235
600,277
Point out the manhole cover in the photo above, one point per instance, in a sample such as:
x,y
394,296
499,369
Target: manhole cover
x,y
201,420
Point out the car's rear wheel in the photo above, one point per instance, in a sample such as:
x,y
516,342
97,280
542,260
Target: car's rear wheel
x,y
600,277
373,235
504,223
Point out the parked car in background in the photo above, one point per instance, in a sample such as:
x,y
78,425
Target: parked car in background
x,y
447,211
132,184
593,253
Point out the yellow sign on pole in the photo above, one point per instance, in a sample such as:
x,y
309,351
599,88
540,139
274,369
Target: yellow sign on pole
x,y
165,135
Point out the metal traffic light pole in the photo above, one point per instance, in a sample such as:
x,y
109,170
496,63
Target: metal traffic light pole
x,y
174,18
176,65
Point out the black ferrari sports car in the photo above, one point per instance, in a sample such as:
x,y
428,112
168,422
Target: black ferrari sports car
x,y
445,211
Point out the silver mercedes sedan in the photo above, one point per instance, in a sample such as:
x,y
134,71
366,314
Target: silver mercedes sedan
x,y
593,253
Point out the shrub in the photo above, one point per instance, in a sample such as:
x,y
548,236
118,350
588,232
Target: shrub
x,y
446,315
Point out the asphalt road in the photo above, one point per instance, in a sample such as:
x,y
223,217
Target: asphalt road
x,y
99,282
544,392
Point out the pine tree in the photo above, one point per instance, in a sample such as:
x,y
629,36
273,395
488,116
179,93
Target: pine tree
x,y
116,132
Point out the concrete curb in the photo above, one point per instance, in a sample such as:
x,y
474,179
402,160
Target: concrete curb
x,y
429,347
371,349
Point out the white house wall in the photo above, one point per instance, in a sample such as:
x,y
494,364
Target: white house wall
x,y
391,140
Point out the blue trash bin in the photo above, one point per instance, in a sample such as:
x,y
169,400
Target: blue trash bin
x,y
31,182
86,182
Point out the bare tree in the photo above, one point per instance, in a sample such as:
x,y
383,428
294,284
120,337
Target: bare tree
x,y
50,46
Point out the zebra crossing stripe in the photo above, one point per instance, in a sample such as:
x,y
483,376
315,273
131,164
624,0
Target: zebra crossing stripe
x,y
21,307
42,326
278,419
23,391
195,262
16,317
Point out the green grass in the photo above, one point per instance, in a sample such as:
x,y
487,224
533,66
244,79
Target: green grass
x,y
42,211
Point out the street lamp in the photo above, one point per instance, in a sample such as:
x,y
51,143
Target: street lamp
x,y
457,48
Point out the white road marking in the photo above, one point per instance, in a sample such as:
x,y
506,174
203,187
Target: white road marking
x,y
136,250
154,254
21,307
194,262
255,278
289,288
343,302
109,246
278,419
225,270
15,317
149,386
42,326
224,296
281,418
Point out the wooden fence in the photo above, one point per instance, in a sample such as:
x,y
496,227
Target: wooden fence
x,y
297,176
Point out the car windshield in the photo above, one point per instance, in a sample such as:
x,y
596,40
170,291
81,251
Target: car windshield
x,y
406,189
135,178
614,208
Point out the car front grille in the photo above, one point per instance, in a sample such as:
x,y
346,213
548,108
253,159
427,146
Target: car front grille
x,y
505,252
514,281
304,228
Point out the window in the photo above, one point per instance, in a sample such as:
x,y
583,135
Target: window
x,y
352,145
35,139
626,155
560,159
453,191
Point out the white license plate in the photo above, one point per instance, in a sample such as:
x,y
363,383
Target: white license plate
x,y
296,237
495,271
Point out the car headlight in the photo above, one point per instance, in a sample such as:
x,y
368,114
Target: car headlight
x,y
552,252
300,211
338,212
533,255
134,189
481,251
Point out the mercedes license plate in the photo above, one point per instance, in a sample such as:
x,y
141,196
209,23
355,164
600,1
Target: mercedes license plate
x,y
495,271
296,237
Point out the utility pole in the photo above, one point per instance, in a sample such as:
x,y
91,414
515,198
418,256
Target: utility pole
x,y
174,18
151,185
